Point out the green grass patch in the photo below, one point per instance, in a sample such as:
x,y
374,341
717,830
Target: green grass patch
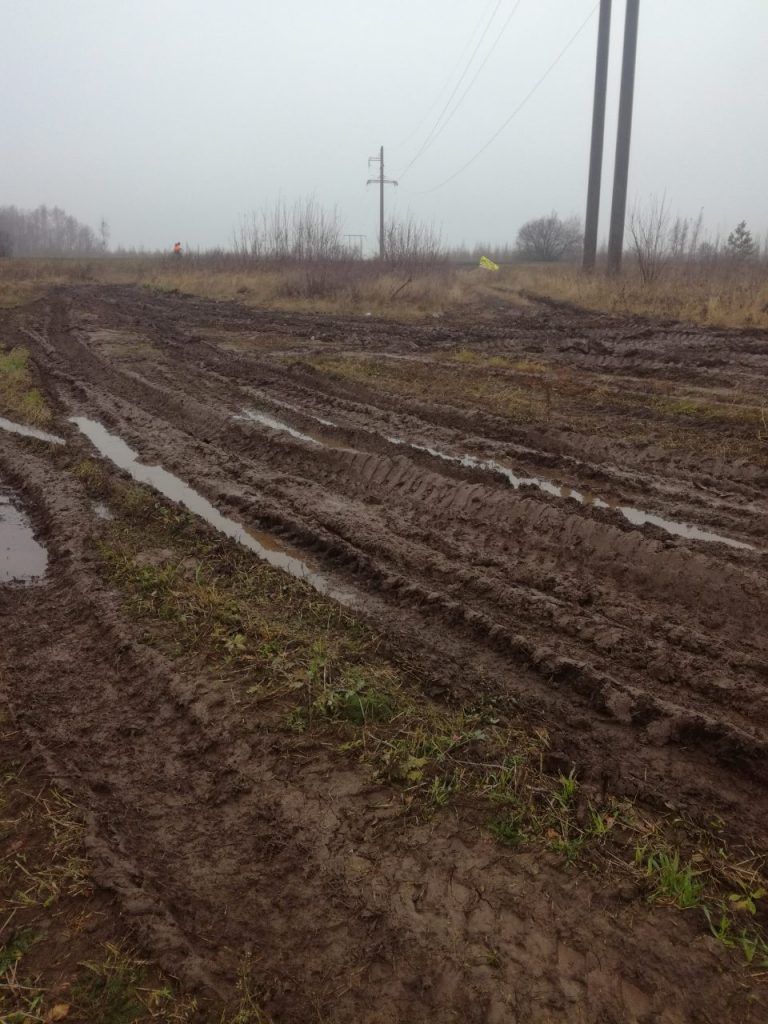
x,y
19,398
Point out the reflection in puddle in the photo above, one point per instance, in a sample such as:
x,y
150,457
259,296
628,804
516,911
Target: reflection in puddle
x,y
22,559
20,428
635,516
269,548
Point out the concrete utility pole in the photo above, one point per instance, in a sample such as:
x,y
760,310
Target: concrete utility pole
x,y
382,182
621,173
598,133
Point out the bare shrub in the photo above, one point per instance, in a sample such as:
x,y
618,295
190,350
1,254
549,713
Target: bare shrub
x,y
303,231
412,243
649,229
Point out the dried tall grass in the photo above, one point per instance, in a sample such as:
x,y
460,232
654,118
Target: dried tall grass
x,y
719,295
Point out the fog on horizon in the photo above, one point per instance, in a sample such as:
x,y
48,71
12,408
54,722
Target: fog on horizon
x,y
174,119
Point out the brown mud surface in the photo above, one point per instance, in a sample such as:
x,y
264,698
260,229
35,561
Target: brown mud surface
x,y
617,601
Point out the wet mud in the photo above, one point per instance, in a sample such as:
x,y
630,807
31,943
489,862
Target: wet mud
x,y
268,548
604,573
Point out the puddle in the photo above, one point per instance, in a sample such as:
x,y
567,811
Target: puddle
x,y
273,424
266,546
636,516
22,559
20,428
294,408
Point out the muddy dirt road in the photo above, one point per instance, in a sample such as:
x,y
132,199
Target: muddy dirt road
x,y
561,512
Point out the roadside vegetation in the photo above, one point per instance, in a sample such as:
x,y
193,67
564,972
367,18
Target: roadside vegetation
x,y
718,294
721,295
297,256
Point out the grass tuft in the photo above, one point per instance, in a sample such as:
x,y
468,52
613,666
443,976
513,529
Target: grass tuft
x,y
19,398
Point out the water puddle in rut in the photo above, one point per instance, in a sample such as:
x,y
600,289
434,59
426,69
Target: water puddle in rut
x,y
25,431
267,547
636,516
273,424
22,559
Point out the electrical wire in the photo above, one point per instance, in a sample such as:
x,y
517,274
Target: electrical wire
x,y
448,80
455,90
471,83
518,108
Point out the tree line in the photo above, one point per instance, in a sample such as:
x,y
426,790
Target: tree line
x,y
48,231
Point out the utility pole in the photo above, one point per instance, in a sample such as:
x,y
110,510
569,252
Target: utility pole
x,y
598,133
621,172
382,182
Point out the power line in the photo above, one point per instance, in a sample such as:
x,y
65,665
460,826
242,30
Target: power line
x,y
519,107
471,83
448,80
455,89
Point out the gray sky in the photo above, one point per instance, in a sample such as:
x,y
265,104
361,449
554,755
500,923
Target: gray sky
x,y
172,118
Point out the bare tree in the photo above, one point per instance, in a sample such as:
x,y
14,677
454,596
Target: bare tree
x,y
549,239
44,232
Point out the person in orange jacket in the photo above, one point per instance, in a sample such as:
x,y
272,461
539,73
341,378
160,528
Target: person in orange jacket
x,y
177,249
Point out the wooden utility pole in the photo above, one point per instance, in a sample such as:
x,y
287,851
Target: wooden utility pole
x,y
382,181
598,134
621,172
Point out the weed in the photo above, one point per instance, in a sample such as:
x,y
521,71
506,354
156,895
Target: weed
x,y
749,942
442,788
356,701
747,898
675,883
566,790
566,844
508,830
600,824
14,949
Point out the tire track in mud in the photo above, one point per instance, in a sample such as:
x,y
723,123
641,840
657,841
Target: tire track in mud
x,y
489,590
591,615
218,838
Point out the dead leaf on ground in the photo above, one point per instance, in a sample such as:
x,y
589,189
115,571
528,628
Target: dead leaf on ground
x,y
57,1012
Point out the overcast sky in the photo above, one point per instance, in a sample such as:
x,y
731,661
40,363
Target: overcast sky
x,y
173,118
